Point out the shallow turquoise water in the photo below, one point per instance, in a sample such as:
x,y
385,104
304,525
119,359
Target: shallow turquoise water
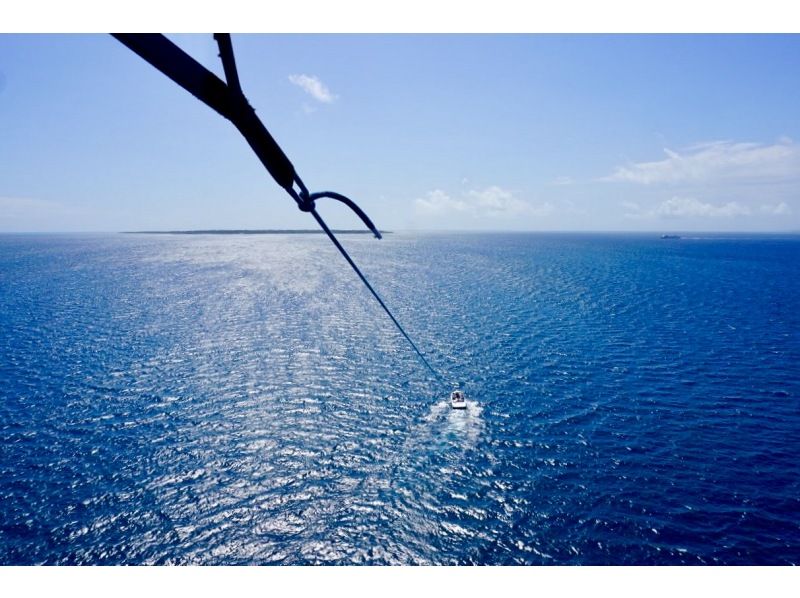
x,y
242,399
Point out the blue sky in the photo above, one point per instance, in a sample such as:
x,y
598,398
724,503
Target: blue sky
x,y
489,132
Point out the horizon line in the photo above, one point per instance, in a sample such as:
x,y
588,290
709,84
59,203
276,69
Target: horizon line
x,y
233,231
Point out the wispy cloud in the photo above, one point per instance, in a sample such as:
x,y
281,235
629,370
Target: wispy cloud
x,y
12,208
33,214
778,209
717,161
678,207
313,87
690,207
439,202
493,202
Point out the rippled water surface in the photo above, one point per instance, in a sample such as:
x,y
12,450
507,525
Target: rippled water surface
x,y
241,399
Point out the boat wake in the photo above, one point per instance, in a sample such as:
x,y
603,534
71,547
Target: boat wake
x,y
435,445
448,428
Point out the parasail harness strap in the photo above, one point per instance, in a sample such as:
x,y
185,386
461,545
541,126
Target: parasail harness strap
x,y
229,100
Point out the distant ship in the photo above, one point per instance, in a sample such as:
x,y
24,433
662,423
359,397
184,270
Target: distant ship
x,y
670,236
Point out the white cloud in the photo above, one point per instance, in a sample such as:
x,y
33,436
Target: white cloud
x,y
678,207
717,161
561,181
12,208
313,87
690,207
32,214
493,202
780,209
439,202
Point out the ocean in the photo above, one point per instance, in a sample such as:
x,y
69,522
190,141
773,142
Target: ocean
x,y
241,399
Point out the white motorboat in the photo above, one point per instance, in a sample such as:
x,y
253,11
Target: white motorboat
x,y
458,400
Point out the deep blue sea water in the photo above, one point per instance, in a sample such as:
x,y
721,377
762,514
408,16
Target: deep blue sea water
x,y
242,399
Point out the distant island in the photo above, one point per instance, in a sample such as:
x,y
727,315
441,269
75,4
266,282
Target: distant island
x,y
670,236
250,232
